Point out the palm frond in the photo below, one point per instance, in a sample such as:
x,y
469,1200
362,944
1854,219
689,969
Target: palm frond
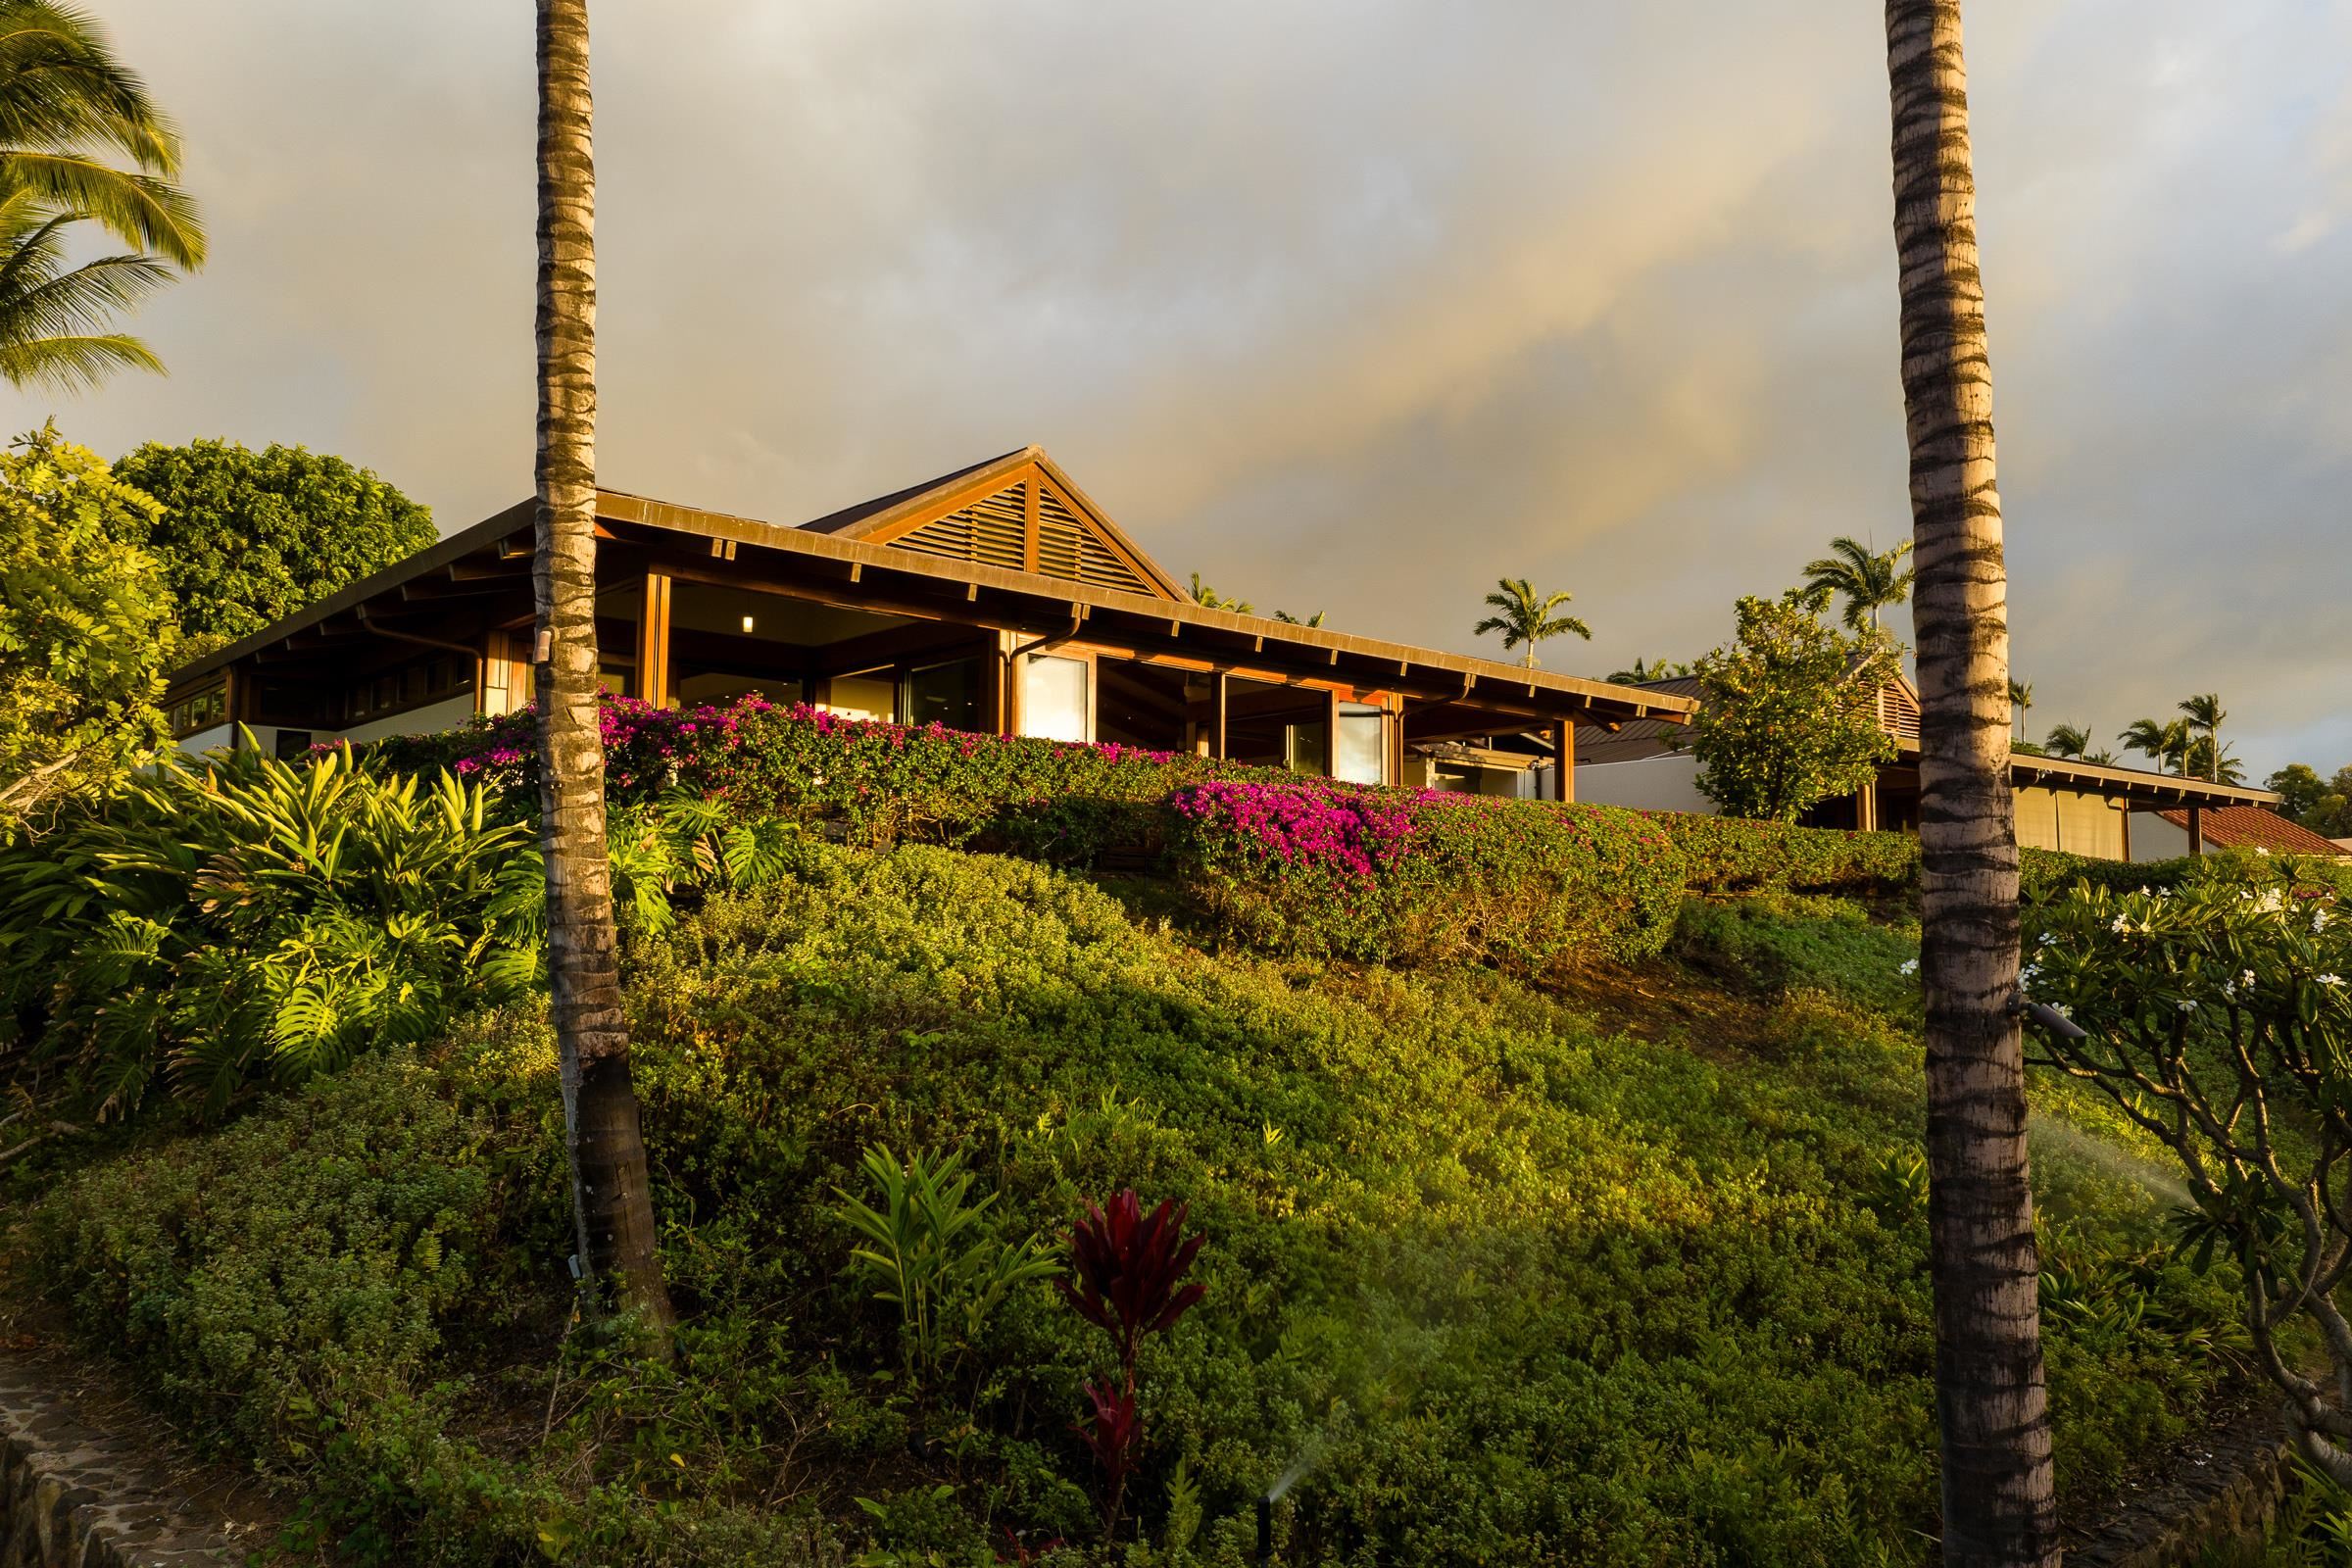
x,y
138,208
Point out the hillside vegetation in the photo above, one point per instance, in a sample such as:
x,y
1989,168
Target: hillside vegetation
x,y
1624,1265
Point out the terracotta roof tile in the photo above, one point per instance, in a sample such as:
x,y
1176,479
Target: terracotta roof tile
x,y
2250,827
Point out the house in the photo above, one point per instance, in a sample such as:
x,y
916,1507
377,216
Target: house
x,y
998,598
2114,813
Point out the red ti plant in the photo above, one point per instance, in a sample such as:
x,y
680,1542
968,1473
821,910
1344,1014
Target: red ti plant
x,y
1126,1269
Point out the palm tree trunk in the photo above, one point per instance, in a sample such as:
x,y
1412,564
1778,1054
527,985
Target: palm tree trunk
x,y
1998,1504
612,1196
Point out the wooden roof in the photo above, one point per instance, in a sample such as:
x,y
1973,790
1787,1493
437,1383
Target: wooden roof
x,y
864,561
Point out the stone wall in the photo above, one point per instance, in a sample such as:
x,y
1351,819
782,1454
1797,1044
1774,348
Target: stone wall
x,y
2224,1489
73,1497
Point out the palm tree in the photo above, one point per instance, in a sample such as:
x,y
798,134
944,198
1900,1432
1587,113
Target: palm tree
x,y
1648,670
1315,619
1868,579
1208,598
2067,739
2021,703
2166,743
1999,1505
67,110
1525,619
2205,714
2201,757
611,1191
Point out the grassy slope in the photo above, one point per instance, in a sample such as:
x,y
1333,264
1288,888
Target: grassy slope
x,y
1635,1276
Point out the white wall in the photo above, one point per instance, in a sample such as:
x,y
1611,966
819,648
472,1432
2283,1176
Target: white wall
x,y
2155,839
1667,783
219,738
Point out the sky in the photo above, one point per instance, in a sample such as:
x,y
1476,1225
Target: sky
x,y
1347,305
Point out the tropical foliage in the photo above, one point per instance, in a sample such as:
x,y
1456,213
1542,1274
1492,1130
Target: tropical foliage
x,y
1495,1281
86,627
1868,579
80,143
1787,713
249,920
1523,617
249,537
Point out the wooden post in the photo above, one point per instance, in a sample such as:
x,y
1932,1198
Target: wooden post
x,y
1866,808
2196,830
2127,830
1217,732
1563,759
653,641
1331,733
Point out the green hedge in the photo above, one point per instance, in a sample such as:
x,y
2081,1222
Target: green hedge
x,y
1320,869
1730,855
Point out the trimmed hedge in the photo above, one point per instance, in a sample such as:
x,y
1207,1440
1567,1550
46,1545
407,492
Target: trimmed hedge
x,y
1730,855
1320,868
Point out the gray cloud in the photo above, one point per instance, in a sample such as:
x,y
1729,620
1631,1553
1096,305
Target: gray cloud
x,y
1347,306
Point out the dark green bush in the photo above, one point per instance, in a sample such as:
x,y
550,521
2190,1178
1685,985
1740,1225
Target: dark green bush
x,y
280,1277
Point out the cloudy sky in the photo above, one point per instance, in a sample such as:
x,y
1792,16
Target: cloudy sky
x,y
1347,306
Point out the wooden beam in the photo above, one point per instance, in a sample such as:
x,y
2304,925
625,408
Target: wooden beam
x,y
653,641
1563,760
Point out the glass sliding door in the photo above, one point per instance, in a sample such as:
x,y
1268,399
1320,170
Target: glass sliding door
x,y
945,694
1361,756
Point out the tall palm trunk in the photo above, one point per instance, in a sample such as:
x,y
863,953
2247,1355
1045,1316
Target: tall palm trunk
x,y
611,1199
1999,1505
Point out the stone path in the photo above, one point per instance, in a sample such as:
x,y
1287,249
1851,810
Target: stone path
x,y
74,1496
2224,1484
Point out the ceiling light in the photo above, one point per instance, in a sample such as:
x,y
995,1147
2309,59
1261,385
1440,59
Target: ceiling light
x,y
747,623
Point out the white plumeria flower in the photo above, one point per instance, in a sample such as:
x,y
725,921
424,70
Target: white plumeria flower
x,y
2247,978
2048,938
2318,920
2119,924
1908,966
2259,850
2187,1005
2229,990
2331,979
2143,890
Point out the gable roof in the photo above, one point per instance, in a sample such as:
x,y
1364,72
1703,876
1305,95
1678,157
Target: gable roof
x,y
2251,827
1019,512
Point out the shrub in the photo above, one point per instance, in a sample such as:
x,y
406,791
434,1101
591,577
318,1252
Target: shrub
x,y
249,918
875,782
1730,855
279,1278
1416,879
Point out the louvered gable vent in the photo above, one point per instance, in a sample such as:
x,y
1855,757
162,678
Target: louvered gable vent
x,y
1067,548
987,532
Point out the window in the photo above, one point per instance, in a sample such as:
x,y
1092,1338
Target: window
x,y
1054,698
943,693
430,679
199,711
1361,756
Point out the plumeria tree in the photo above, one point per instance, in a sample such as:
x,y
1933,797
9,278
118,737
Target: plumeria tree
x,y
2219,1018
